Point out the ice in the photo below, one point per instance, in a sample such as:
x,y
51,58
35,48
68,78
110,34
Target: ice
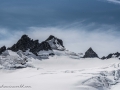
x,y
59,72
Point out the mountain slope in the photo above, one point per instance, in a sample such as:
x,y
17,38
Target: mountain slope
x,y
55,43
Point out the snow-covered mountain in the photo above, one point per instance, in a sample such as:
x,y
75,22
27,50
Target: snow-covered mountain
x,y
55,43
52,46
49,66
44,49
26,49
25,43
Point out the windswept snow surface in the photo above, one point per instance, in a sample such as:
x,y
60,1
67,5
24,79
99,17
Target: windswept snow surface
x,y
64,73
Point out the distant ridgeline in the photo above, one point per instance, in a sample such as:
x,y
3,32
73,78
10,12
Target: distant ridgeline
x,y
25,43
46,47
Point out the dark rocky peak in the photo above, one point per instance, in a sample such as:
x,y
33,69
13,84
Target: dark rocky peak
x,y
2,49
117,54
112,55
24,43
90,49
24,36
50,37
90,54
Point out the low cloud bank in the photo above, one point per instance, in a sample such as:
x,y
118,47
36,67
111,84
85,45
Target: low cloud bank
x,y
103,40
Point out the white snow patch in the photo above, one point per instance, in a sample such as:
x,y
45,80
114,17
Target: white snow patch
x,y
65,73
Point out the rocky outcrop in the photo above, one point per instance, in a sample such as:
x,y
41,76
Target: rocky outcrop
x,y
2,49
90,54
55,43
26,43
112,55
44,46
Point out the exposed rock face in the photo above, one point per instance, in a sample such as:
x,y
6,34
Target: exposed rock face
x,y
117,54
55,43
44,46
2,49
112,55
103,58
90,54
25,43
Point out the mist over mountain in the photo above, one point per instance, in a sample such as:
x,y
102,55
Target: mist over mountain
x,y
92,22
35,59
26,44
60,44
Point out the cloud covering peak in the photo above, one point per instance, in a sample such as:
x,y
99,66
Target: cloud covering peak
x,y
77,39
80,23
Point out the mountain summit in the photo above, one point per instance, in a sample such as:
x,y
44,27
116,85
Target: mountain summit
x,y
55,43
26,43
90,54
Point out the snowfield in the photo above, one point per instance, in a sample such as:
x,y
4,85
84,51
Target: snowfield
x,y
64,73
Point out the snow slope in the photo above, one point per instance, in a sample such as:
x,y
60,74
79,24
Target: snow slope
x,y
64,73
13,60
55,44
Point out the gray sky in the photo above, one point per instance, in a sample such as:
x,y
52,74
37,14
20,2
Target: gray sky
x,y
80,23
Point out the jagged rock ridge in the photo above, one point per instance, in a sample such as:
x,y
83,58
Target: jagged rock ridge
x,y
90,54
26,43
112,55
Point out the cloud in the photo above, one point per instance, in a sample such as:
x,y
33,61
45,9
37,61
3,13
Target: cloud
x,y
19,15
9,37
80,39
104,39
114,1
52,17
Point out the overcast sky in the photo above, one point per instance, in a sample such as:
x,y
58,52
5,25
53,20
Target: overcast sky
x,y
79,23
